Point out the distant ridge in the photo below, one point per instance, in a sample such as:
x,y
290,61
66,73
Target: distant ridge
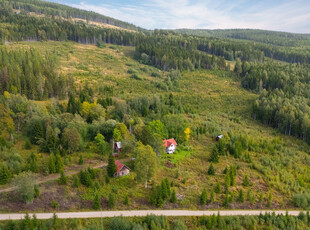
x,y
264,36
55,9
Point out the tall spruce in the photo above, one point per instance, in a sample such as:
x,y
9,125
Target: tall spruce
x,y
111,168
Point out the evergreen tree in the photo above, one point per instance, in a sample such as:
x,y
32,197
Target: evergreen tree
x,y
51,164
96,202
5,174
63,179
269,200
246,181
173,198
111,168
81,160
76,181
226,200
203,197
36,131
211,170
58,163
111,200
73,105
164,190
218,189
32,163
212,196
126,200
214,157
241,196
154,195
36,191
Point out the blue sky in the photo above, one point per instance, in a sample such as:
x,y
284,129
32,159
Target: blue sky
x,y
279,15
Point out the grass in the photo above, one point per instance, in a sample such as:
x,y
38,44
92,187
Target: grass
x,y
216,100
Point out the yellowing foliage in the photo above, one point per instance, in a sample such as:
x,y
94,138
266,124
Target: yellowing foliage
x,y
187,133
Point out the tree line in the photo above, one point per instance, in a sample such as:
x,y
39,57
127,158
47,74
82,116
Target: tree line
x,y
284,95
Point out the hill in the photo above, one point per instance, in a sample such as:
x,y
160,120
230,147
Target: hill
x,y
264,36
70,89
54,10
209,102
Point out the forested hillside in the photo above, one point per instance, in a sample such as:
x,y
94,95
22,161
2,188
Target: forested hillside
x,y
263,36
63,11
70,90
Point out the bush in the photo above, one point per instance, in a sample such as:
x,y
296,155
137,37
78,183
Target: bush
x,y
126,200
81,160
25,183
120,223
36,191
111,201
27,144
54,204
136,77
155,74
302,200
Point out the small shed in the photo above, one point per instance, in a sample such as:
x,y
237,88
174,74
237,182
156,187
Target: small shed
x,y
118,146
219,137
121,169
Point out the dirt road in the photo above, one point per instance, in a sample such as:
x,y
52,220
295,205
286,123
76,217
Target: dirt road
x,y
67,215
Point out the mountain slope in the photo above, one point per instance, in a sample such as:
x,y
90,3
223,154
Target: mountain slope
x,y
58,10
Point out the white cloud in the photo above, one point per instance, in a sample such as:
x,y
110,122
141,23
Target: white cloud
x,y
292,16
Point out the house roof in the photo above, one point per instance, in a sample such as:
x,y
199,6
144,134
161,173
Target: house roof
x,y
168,142
119,166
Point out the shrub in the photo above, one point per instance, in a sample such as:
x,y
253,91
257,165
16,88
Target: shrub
x,y
27,144
81,160
25,186
54,204
136,77
302,200
155,74
111,200
118,223
126,200
36,191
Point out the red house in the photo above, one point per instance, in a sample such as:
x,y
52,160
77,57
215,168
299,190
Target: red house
x,y
121,169
170,145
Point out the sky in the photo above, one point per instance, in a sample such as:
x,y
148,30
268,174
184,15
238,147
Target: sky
x,y
278,15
